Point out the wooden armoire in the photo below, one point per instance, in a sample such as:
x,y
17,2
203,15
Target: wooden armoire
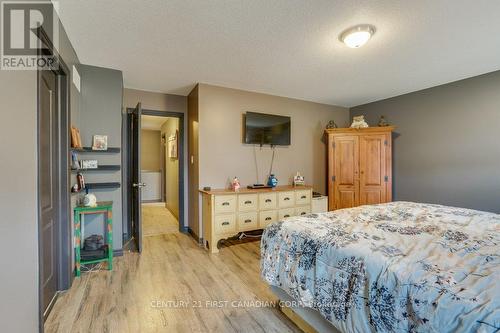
x,y
359,166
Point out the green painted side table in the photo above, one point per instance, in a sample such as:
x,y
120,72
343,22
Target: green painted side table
x,y
103,207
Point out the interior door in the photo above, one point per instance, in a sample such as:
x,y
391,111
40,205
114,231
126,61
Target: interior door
x,y
345,171
136,183
372,165
48,186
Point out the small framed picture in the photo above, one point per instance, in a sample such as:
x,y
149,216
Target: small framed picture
x,y
173,146
100,142
76,140
88,164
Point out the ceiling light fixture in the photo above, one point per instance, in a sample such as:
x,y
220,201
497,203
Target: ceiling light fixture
x,y
357,36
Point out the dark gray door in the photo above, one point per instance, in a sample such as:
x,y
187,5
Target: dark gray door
x,y
136,176
48,186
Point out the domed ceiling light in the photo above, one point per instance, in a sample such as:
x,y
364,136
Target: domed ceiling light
x,y
357,36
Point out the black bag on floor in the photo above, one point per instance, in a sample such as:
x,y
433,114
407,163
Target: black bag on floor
x,y
93,242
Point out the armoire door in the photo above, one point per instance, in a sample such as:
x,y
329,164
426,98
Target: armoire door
x,y
372,168
346,171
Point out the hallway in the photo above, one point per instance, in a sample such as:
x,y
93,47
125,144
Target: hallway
x,y
158,220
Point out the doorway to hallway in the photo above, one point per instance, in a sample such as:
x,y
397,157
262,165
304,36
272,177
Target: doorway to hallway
x,y
155,171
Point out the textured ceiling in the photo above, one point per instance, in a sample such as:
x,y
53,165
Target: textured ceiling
x,y
287,47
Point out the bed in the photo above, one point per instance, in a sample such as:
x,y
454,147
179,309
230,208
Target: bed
x,y
395,267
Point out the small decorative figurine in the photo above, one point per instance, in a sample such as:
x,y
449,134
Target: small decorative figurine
x,y
236,184
272,180
331,124
298,180
382,122
359,122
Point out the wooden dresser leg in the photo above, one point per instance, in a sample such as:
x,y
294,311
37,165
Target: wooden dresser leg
x,y
213,245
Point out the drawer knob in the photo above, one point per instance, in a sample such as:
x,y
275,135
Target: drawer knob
x,y
268,200
268,219
225,223
225,203
248,202
248,221
286,199
286,216
303,197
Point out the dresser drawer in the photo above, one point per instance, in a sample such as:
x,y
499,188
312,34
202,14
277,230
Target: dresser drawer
x,y
225,223
286,199
247,202
225,204
285,213
248,221
267,201
267,217
303,210
303,197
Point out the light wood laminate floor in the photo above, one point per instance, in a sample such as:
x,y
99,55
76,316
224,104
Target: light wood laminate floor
x,y
157,220
172,268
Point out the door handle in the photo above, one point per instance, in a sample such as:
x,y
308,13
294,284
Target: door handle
x,y
139,185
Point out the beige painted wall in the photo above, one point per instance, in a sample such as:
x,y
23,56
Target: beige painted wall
x,y
171,169
222,155
154,100
150,150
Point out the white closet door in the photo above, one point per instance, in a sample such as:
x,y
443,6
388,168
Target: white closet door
x,y
152,191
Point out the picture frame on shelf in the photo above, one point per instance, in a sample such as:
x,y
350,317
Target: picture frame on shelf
x,y
100,142
76,140
88,164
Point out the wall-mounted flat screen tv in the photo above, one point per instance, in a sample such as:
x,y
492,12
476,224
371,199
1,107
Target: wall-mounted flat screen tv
x,y
267,129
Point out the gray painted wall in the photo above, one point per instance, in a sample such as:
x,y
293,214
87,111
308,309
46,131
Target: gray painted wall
x,y
18,202
18,193
447,144
101,113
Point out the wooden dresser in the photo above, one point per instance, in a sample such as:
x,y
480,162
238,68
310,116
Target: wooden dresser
x,y
226,212
359,166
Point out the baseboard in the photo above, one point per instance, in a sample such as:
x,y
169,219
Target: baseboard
x,y
118,253
194,235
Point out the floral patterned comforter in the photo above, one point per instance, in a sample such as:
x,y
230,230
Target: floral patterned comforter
x,y
395,267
